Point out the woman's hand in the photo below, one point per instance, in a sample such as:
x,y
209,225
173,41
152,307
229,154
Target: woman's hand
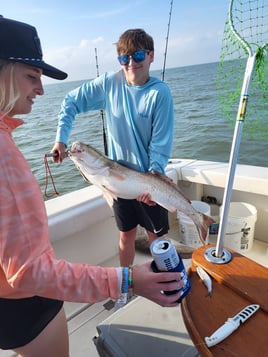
x,y
151,285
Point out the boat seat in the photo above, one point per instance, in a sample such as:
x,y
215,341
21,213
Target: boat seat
x,y
143,328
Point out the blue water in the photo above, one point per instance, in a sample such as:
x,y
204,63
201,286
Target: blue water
x,y
201,131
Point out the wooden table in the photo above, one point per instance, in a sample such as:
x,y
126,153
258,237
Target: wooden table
x,y
235,285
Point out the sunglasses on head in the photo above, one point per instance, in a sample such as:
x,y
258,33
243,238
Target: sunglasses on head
x,y
137,56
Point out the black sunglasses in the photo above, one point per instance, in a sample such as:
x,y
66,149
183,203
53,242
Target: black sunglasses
x,y
137,56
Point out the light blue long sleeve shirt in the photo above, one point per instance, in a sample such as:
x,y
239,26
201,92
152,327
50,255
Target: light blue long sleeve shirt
x,y
140,119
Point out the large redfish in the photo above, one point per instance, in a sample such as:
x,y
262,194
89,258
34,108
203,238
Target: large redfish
x,y
116,180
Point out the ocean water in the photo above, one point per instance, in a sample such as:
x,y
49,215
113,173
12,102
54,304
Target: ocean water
x,y
201,131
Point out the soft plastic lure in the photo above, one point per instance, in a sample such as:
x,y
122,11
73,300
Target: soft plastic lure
x,y
205,278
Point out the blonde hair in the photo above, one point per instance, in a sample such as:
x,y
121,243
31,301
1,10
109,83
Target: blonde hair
x,y
8,97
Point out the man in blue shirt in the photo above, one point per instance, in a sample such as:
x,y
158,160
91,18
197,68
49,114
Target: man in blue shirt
x,y
139,114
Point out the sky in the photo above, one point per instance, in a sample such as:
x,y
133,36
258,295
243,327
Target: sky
x,y
73,32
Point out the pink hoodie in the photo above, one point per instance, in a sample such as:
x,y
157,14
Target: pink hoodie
x,y
28,265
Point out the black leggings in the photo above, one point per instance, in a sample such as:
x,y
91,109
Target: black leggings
x,y
21,320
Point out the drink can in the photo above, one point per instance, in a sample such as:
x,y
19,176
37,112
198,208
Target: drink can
x,y
166,258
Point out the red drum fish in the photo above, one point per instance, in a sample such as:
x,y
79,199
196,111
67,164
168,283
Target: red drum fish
x,y
116,180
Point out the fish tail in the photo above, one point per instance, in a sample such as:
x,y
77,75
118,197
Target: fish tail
x,y
206,221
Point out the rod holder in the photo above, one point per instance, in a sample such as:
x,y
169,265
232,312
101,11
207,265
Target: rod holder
x,y
210,255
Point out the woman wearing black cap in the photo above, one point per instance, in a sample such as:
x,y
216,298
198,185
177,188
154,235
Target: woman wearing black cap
x,y
33,283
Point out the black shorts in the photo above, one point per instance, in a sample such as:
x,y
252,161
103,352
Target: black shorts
x,y
130,213
21,320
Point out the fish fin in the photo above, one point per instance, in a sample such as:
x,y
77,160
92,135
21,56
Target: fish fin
x,y
168,181
161,176
109,196
84,177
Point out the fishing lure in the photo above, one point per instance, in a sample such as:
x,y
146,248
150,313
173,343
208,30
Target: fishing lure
x,y
205,278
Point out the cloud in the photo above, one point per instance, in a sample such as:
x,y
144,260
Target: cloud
x,y
79,60
98,40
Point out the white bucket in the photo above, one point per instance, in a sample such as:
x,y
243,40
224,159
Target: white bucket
x,y
188,233
239,231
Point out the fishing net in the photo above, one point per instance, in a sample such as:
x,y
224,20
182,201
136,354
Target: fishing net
x,y
250,20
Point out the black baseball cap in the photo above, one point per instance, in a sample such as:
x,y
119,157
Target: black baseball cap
x,y
19,42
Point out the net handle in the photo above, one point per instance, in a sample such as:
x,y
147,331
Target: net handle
x,y
238,130
234,153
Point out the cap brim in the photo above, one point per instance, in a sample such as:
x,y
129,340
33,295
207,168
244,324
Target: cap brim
x,y
48,70
53,72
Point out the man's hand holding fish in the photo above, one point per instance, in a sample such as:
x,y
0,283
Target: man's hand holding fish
x,y
146,198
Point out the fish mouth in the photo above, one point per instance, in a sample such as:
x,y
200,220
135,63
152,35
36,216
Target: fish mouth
x,y
76,148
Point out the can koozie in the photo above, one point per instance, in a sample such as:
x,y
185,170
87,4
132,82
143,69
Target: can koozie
x,y
166,258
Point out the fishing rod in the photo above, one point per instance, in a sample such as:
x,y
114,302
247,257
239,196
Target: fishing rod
x,y
101,112
165,54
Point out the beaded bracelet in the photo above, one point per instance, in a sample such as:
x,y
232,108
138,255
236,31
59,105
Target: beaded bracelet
x,y
130,281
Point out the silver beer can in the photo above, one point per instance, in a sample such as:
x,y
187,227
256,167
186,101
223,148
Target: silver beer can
x,y
165,255
166,258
